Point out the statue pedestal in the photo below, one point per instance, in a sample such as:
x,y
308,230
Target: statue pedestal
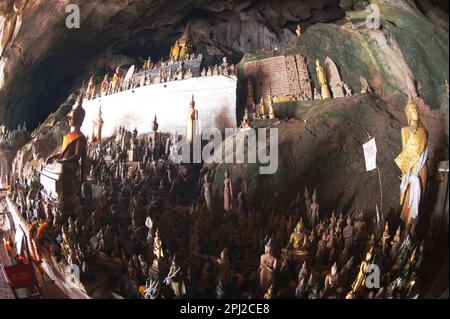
x,y
60,182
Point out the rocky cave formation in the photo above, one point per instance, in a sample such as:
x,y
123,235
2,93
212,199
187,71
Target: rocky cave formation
x,y
42,63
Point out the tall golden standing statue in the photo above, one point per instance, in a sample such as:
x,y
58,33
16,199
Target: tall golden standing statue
x,y
321,76
412,163
175,51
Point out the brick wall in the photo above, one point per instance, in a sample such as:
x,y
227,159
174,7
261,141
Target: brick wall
x,y
279,76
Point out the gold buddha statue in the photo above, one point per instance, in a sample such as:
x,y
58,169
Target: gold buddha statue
x,y
182,46
298,31
157,246
361,278
104,86
298,240
116,80
412,163
321,76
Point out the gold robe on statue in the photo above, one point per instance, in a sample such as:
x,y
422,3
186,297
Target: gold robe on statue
x,y
412,163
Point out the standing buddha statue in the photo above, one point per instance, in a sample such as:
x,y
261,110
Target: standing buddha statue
x,y
98,125
227,193
73,149
412,163
116,81
321,76
270,105
104,86
191,128
262,109
298,31
90,91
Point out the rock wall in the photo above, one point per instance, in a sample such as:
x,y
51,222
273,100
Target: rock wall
x,y
42,62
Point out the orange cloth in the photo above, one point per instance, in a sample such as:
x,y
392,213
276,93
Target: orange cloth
x,y
69,139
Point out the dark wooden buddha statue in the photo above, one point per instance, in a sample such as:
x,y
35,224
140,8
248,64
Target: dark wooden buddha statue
x,y
65,171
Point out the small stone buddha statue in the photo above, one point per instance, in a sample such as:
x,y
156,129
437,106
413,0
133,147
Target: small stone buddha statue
x,y
157,246
267,267
90,91
262,109
191,126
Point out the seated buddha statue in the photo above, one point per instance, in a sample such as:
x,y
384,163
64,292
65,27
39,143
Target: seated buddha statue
x,y
298,241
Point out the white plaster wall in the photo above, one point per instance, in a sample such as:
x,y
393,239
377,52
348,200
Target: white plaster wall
x,y
215,100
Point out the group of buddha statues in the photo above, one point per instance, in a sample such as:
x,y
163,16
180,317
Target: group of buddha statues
x,y
265,108
156,227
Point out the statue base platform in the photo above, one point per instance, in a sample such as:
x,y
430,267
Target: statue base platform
x,y
60,182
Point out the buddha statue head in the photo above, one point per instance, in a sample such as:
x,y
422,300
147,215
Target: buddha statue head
x,y
317,63
174,260
307,195
304,265
268,247
314,196
76,116
349,221
299,226
224,254
192,103
334,269
369,254
398,232
412,112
